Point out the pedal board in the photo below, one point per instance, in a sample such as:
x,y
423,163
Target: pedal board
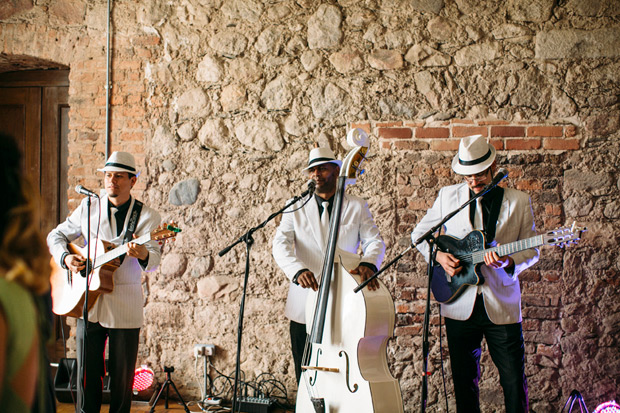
x,y
255,404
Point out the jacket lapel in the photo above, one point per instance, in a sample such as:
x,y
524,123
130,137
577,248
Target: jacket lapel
x,y
312,216
462,197
504,213
127,218
105,228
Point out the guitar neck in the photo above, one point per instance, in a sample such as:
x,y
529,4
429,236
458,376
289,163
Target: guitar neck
x,y
510,248
118,251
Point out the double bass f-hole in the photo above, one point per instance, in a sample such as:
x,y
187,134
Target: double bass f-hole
x,y
355,386
312,380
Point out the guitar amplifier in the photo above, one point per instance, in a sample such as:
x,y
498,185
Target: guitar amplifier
x,y
65,382
255,404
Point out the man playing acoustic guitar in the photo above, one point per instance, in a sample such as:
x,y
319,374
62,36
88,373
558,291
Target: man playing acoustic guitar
x,y
116,315
492,308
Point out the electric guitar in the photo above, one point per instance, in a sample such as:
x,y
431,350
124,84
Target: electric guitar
x,y
69,288
470,250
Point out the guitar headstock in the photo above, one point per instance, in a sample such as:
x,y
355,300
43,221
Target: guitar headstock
x,y
353,161
165,231
564,236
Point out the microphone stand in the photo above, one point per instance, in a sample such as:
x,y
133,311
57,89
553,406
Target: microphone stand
x,y
430,239
247,238
82,369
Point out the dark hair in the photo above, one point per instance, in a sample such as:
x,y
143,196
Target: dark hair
x,y
24,257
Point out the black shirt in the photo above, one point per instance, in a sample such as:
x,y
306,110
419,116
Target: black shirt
x,y
494,195
120,215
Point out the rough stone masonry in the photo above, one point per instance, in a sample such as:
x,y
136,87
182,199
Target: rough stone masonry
x,y
221,101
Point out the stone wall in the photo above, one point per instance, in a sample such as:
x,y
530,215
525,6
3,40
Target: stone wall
x,y
221,100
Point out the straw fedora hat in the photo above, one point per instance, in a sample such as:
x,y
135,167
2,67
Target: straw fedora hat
x,y
474,156
120,162
320,156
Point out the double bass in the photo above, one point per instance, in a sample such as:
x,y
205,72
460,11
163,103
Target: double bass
x,y
344,366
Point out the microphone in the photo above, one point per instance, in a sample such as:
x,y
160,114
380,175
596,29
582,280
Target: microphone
x,y
81,190
311,188
499,176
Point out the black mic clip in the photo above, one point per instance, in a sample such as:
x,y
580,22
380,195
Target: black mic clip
x,y
311,188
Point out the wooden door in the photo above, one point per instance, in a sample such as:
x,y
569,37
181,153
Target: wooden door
x,y
34,110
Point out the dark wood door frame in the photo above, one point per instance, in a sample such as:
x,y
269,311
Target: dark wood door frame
x,y
34,109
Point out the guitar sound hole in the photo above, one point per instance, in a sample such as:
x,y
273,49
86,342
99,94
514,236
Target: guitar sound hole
x,y
83,271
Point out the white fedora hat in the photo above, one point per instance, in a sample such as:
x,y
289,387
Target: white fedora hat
x,y
120,162
475,155
320,156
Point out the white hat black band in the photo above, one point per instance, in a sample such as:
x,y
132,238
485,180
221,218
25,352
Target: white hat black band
x,y
476,161
120,165
315,160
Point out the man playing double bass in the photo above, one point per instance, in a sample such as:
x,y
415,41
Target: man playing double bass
x,y
492,309
300,242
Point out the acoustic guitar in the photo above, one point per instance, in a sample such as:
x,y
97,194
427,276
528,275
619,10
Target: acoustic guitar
x,y
470,250
69,288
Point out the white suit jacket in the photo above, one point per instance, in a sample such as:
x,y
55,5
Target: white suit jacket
x,y
122,308
298,244
501,290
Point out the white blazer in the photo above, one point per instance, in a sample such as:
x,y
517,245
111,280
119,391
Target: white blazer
x,y
298,244
500,290
122,308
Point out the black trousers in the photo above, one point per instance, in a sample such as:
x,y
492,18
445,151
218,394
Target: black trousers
x,y
298,343
507,351
123,353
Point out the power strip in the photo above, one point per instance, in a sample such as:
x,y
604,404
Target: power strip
x,y
255,404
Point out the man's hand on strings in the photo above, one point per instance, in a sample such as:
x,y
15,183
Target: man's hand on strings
x,y
450,264
75,263
366,273
306,280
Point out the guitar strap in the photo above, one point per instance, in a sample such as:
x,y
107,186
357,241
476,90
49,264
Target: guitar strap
x,y
133,224
491,222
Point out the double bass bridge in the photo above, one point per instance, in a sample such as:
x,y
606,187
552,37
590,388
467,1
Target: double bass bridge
x,y
318,369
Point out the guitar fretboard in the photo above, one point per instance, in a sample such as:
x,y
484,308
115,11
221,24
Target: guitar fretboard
x,y
507,249
118,251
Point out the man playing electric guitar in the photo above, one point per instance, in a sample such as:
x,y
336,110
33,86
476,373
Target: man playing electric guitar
x,y
491,309
117,315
